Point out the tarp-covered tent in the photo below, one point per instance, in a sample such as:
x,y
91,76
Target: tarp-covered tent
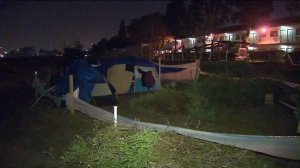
x,y
179,72
130,74
87,80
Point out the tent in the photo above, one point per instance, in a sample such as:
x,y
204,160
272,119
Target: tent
x,y
130,74
88,82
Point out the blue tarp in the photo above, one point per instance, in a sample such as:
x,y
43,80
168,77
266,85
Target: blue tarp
x,y
84,76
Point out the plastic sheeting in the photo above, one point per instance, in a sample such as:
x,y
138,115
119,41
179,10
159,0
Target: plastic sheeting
x,y
287,147
188,72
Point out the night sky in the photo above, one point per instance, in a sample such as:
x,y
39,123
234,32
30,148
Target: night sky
x,y
53,24
50,25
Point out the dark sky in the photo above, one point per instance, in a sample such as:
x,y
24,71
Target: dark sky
x,y
50,25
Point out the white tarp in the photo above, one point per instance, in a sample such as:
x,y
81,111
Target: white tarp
x,y
287,147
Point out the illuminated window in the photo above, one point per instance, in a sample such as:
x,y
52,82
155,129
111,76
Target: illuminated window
x,y
297,31
274,33
228,36
262,34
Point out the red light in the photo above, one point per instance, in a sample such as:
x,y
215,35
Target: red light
x,y
264,29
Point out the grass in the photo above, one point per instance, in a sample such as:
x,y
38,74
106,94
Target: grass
x,y
118,147
215,104
40,137
112,147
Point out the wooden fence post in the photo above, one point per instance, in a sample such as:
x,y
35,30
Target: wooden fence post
x,y
159,71
71,90
298,129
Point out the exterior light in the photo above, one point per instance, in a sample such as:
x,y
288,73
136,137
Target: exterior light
x,y
264,30
286,48
284,27
251,48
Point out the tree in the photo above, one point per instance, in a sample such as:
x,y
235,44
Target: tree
x,y
251,13
204,17
122,30
292,6
78,45
175,16
150,29
100,49
75,51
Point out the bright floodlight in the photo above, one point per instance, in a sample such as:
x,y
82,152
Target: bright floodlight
x,y
264,29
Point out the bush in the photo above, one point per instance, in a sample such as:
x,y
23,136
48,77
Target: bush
x,y
233,69
247,70
233,93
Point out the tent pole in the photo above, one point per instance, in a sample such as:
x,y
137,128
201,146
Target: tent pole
x,y
134,77
36,94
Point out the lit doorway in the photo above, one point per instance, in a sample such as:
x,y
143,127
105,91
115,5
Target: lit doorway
x,y
286,36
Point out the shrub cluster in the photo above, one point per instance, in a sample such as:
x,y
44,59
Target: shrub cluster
x,y
206,98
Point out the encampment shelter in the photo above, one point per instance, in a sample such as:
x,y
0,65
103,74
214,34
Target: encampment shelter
x,y
131,74
88,82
